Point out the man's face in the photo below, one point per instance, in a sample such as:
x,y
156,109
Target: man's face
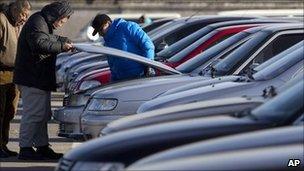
x,y
60,22
104,29
21,16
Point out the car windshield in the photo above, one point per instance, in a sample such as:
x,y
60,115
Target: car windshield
x,y
180,55
283,108
200,59
279,66
176,47
240,54
279,56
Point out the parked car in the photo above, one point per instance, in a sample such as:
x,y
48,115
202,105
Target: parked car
x,y
85,33
222,106
199,64
274,76
192,38
155,24
94,121
102,78
95,117
255,139
127,147
74,103
177,29
225,106
78,58
269,158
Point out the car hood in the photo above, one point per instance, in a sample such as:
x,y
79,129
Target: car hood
x,y
204,83
152,85
121,84
114,148
224,89
185,111
126,55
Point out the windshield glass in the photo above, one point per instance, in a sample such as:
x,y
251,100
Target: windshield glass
x,y
284,107
165,28
180,55
176,47
240,54
279,56
279,66
200,59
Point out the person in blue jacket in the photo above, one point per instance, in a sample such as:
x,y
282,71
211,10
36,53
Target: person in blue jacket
x,y
127,36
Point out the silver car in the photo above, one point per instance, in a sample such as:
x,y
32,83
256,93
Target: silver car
x,y
272,76
69,117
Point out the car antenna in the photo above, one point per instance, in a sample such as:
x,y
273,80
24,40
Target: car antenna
x,y
191,16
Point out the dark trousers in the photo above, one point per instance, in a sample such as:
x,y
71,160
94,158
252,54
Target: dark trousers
x,y
9,97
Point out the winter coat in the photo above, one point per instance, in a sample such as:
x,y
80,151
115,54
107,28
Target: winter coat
x,y
38,47
8,45
127,36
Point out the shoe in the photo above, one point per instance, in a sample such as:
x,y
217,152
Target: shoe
x,y
48,153
28,153
9,152
3,154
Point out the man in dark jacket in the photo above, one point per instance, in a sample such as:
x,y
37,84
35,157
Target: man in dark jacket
x,y
35,76
12,17
127,36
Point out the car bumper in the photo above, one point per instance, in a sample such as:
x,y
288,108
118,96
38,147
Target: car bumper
x,y
92,125
69,118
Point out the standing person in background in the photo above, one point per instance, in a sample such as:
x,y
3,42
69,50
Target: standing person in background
x,y
12,17
127,36
35,76
144,20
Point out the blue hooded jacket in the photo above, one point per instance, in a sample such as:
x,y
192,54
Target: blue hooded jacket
x,y
127,36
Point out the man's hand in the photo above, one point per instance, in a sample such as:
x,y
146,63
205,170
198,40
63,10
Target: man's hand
x,y
68,47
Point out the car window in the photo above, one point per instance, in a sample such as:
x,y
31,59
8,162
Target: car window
x,y
279,66
184,42
222,49
279,56
183,53
152,26
185,31
280,44
241,54
286,107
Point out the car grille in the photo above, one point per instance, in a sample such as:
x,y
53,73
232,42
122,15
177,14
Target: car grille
x,y
64,165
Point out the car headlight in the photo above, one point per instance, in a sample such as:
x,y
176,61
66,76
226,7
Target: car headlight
x,y
102,104
78,99
89,84
97,166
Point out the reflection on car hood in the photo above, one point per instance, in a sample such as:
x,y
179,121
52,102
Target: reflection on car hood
x,y
126,55
129,90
